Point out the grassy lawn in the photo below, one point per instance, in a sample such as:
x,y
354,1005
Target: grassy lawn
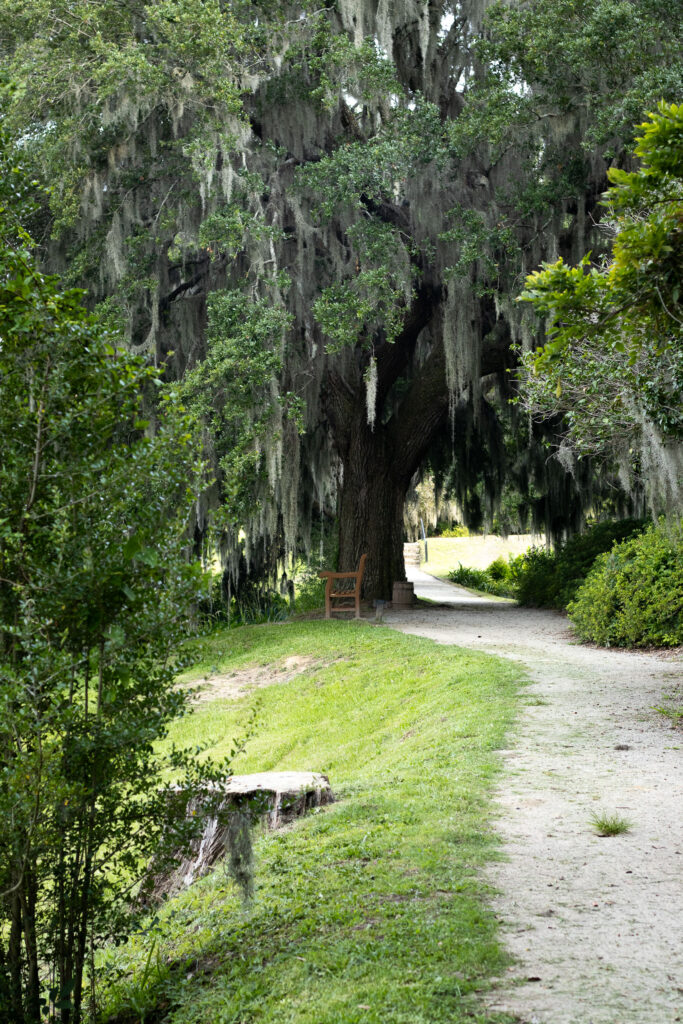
x,y
372,909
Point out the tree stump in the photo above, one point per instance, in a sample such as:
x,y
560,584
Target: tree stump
x,y
273,797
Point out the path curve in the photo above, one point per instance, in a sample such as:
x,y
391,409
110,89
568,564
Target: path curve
x,y
595,924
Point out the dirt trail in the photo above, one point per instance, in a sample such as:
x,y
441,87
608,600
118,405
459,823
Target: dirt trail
x,y
595,924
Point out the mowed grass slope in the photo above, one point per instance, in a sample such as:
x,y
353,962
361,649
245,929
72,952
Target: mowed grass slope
x,y
372,909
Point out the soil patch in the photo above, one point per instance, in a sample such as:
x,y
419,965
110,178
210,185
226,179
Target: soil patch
x,y
237,684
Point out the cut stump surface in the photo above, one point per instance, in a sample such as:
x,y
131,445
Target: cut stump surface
x,y
274,797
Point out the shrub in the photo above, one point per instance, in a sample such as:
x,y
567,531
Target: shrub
x,y
533,577
634,594
309,590
481,579
96,602
499,569
576,557
545,579
256,603
458,530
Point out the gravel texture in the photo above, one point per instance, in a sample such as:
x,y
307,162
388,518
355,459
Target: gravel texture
x,y
595,924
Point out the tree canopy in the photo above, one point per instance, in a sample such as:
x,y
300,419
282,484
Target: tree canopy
x,y
613,361
363,188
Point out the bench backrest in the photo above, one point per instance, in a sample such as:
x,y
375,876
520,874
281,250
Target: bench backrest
x,y
361,570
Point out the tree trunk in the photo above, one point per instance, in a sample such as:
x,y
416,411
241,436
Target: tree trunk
x,y
371,509
32,984
379,461
378,465
15,960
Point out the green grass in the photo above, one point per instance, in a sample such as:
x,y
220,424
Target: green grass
x,y
373,909
674,714
610,824
674,709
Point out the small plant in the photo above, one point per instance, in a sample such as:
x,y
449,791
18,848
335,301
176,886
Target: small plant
x,y
610,824
457,530
480,579
499,569
674,714
533,577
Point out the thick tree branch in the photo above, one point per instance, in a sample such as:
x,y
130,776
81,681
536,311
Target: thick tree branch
x,y
393,359
424,408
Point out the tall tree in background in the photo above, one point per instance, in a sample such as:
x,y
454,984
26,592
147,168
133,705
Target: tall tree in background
x,y
380,178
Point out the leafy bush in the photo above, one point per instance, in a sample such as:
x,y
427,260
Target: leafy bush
x,y
634,594
533,577
576,558
256,603
545,579
96,603
452,531
499,569
482,579
309,590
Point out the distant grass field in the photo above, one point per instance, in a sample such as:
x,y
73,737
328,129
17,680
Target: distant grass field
x,y
446,553
371,911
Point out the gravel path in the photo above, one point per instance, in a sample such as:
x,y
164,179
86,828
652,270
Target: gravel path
x,y
595,924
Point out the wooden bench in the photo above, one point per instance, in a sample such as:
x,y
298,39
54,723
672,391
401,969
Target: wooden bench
x,y
344,595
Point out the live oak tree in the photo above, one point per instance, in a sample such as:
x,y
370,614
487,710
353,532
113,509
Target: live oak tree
x,y
370,184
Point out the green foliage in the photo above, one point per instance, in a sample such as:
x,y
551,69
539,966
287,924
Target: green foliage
x,y
232,390
550,579
611,59
96,596
613,362
309,591
97,72
200,148
493,580
533,575
633,597
255,604
376,297
476,242
610,824
499,569
459,530
376,899
363,179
